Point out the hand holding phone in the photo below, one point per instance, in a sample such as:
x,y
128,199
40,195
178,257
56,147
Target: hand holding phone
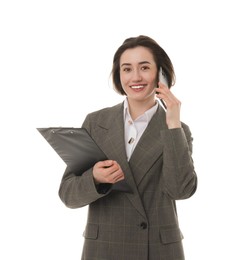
x,y
173,111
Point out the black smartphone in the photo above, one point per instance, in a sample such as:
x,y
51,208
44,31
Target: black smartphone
x,y
162,78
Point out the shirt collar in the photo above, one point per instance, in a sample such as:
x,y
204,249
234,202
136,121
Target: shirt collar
x,y
147,114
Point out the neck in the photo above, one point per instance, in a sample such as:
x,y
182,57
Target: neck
x,y
138,108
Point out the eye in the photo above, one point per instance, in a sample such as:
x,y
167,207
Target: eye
x,y
145,68
126,69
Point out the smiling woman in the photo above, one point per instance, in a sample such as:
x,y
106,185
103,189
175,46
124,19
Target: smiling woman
x,y
149,149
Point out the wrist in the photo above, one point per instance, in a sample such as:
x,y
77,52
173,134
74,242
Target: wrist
x,y
174,125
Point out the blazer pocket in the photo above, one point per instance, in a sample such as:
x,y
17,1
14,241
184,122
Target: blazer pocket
x,y
91,231
172,235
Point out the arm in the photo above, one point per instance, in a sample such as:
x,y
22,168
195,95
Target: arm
x,y
179,177
78,191
180,180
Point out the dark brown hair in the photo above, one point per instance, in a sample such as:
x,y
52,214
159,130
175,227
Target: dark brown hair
x,y
160,57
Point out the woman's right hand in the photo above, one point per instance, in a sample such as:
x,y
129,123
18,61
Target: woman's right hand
x,y
108,171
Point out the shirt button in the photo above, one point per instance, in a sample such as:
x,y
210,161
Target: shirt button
x,y
143,225
130,122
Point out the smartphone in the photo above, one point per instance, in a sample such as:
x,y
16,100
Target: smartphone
x,y
162,78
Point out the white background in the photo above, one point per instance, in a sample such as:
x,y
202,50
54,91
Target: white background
x,y
55,63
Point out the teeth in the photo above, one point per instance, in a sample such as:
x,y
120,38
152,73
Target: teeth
x,y
137,87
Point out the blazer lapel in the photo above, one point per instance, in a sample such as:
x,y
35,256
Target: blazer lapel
x,y
113,144
149,147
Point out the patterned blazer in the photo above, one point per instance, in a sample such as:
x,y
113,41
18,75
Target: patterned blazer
x,y
142,225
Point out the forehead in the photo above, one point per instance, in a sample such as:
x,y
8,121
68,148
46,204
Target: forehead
x,y
136,55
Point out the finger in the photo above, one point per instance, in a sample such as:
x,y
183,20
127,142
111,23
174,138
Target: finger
x,y
115,170
119,179
112,178
162,90
161,85
167,96
105,164
104,175
117,176
108,173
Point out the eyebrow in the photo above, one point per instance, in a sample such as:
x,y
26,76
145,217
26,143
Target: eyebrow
x,y
140,63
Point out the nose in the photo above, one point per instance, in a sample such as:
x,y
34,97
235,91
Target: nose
x,y
136,76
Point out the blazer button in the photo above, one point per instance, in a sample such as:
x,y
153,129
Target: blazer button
x,y
143,225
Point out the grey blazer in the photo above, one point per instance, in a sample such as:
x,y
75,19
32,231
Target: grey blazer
x,y
142,225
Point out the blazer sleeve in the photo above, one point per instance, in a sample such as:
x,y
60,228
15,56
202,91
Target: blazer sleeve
x,y
179,177
78,191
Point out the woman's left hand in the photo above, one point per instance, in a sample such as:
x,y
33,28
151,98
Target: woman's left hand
x,y
173,106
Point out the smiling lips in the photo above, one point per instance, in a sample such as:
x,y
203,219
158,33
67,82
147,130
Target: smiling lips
x,y
137,87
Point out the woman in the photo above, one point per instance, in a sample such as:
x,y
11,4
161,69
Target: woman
x,y
149,149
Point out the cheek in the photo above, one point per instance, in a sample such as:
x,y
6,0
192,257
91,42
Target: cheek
x,y
154,82
124,79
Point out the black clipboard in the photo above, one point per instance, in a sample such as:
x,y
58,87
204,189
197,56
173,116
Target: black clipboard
x,y
78,150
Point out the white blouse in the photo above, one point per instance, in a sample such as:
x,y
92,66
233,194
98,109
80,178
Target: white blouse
x,y
134,129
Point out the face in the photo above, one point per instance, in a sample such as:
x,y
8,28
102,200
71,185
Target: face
x,y
138,72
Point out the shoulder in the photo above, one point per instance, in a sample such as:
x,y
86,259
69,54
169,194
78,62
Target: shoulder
x,y
103,116
106,111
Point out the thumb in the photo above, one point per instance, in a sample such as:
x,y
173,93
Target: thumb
x,y
107,163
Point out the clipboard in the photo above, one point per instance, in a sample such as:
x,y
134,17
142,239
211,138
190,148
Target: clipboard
x,y
78,150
